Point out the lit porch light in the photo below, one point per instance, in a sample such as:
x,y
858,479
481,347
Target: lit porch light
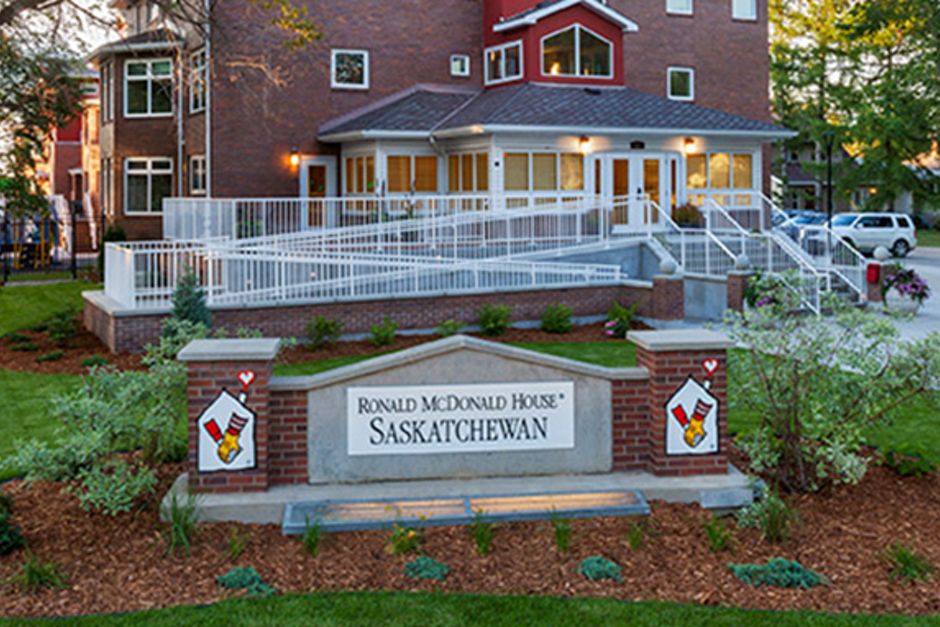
x,y
294,157
584,145
689,146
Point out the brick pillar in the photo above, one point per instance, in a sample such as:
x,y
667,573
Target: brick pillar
x,y
213,366
671,357
874,289
737,285
630,398
668,297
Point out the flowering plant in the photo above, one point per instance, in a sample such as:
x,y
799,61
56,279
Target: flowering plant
x,y
907,283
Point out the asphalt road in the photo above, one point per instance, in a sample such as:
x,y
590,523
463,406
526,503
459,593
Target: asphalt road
x,y
926,261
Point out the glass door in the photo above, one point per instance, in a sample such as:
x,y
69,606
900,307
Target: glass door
x,y
630,179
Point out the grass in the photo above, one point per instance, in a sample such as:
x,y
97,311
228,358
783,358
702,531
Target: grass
x,y
53,275
928,239
25,306
458,610
24,407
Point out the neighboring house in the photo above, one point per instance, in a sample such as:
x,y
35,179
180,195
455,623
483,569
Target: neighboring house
x,y
530,101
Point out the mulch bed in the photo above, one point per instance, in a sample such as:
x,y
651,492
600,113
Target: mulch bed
x,y
74,351
119,564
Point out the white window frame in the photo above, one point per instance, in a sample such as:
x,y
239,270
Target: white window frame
x,y
149,78
672,69
149,172
106,194
577,27
465,59
675,11
198,76
107,92
501,49
365,69
193,161
750,17
531,191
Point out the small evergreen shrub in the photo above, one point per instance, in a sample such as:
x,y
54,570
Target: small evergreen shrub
x,y
557,319
246,579
494,319
772,516
405,540
449,328
779,573
11,537
425,567
113,487
35,574
562,530
636,536
909,462
189,301
182,516
95,361
50,357
175,334
323,332
907,564
62,326
312,536
482,531
383,334
25,347
597,568
718,534
237,543
17,338
6,505
619,320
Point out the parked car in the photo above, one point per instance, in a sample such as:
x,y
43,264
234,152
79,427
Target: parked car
x,y
868,231
794,226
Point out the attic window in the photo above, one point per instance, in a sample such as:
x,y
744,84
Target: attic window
x,y
576,51
503,63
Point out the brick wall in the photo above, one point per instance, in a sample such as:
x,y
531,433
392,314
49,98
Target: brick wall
x,y
630,433
287,434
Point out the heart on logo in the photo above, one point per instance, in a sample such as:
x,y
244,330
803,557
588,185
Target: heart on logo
x,y
711,366
246,377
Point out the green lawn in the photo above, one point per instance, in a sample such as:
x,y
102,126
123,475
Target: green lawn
x,y
928,239
58,275
25,306
453,610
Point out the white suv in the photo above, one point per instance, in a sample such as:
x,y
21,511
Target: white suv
x,y
868,231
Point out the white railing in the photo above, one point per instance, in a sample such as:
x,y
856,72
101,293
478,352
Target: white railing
x,y
745,207
143,275
697,251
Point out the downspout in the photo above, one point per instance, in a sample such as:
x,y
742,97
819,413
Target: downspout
x,y
180,133
208,113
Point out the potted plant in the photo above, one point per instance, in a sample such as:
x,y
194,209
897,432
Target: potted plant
x,y
903,289
688,215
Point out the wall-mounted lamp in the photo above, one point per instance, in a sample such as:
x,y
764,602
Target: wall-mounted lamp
x,y
294,157
689,146
584,144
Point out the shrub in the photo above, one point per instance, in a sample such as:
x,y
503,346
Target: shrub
x,y
246,579
383,334
494,319
597,568
95,361
6,505
237,543
688,215
111,234
718,534
909,462
189,301
449,328
482,531
771,515
17,338
313,533
556,319
425,567
112,487
323,332
562,529
907,564
11,537
49,357
619,320
35,574
779,573
405,540
636,536
175,334
182,518
26,347
62,326
852,369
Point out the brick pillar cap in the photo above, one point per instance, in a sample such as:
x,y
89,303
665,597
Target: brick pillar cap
x,y
230,350
680,340
667,277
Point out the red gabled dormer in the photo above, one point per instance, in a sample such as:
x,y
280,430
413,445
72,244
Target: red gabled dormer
x,y
554,41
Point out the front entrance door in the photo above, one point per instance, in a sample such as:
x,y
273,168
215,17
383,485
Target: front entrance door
x,y
318,182
629,180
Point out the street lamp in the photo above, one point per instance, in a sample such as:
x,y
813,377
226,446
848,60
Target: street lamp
x,y
830,138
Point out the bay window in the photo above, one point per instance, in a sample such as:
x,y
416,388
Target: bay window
x,y
468,173
147,181
720,171
543,172
360,175
148,88
576,51
408,173
503,63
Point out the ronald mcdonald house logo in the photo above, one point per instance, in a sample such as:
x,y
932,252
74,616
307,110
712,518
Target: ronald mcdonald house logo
x,y
227,431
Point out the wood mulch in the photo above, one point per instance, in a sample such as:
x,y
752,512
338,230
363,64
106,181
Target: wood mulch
x,y
74,352
120,564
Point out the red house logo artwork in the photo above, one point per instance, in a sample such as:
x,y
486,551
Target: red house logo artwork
x,y
692,416
227,431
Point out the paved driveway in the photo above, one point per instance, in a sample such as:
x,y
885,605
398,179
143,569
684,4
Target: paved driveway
x,y
927,263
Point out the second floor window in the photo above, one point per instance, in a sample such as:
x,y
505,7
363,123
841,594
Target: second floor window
x,y
197,175
147,181
679,7
349,69
148,88
503,63
681,83
744,9
576,51
197,82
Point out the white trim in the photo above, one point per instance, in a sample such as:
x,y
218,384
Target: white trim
x,y
327,161
691,10
673,69
149,172
604,130
462,57
365,69
349,136
745,18
501,49
149,78
595,5
577,26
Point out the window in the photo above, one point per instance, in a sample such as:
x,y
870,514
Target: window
x,y
360,175
468,173
148,88
146,183
679,7
107,176
197,81
408,173
107,92
904,222
744,9
349,69
720,170
550,172
503,63
681,83
876,222
197,174
459,65
576,51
